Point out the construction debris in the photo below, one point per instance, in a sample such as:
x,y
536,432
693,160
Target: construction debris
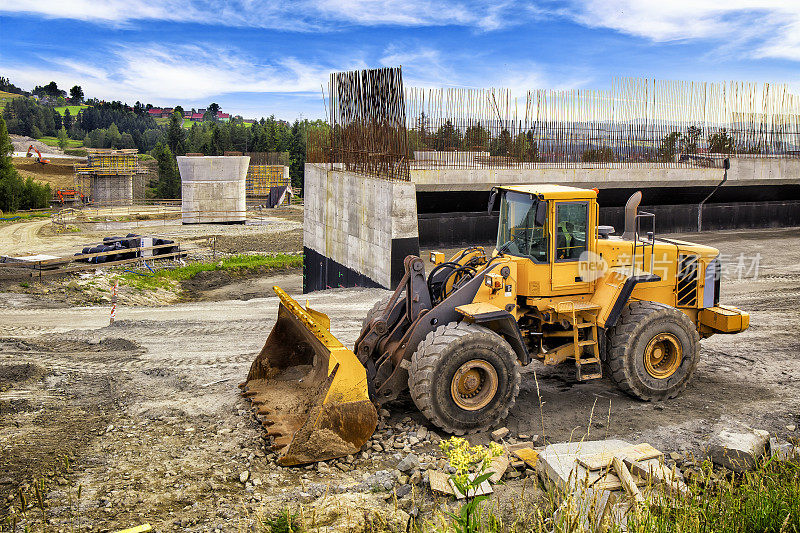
x,y
738,449
499,434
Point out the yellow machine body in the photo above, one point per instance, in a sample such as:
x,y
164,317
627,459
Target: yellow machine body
x,y
553,290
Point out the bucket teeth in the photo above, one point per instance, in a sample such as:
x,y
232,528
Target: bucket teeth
x,y
243,385
262,410
249,393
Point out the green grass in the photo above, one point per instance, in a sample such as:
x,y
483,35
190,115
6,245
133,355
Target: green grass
x,y
73,109
22,217
7,97
53,141
236,264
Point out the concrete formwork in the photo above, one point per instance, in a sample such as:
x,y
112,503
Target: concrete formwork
x,y
213,189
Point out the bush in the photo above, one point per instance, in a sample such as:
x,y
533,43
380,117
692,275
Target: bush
x,y
16,193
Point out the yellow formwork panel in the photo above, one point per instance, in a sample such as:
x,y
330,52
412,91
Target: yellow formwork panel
x,y
260,178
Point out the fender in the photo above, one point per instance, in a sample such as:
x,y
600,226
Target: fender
x,y
500,321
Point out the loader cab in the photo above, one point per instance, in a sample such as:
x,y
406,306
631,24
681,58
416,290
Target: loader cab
x,y
550,229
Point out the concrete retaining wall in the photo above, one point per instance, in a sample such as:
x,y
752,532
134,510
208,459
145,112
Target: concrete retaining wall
x,y
113,190
743,171
357,230
213,189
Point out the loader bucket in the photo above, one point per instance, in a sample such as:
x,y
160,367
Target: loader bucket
x,y
308,390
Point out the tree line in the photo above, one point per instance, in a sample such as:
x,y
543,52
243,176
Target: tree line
x,y
17,193
118,125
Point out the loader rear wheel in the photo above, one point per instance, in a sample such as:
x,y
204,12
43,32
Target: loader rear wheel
x,y
464,378
653,351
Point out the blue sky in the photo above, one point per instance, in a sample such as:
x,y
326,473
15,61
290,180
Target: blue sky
x,y
257,58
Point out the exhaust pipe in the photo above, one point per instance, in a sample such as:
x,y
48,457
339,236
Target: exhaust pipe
x,y
631,209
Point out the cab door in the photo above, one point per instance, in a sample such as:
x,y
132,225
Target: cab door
x,y
572,238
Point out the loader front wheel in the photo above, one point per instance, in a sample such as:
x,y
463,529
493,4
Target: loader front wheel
x,y
652,351
464,378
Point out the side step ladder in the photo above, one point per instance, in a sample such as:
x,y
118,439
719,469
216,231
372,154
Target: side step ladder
x,y
589,367
590,364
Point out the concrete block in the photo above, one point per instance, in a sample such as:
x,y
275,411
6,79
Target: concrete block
x,y
499,434
738,449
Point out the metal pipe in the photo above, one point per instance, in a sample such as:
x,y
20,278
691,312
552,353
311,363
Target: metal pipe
x,y
726,165
631,207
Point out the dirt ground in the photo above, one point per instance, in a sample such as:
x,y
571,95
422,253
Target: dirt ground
x,y
59,173
145,415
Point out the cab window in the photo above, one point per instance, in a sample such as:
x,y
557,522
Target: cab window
x,y
519,234
571,219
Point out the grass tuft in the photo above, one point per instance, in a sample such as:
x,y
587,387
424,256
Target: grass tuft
x,y
239,264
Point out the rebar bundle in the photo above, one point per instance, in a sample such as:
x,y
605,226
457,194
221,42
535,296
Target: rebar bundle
x,y
379,129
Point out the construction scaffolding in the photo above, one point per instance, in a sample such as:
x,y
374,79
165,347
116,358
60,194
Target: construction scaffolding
x,y
107,175
267,179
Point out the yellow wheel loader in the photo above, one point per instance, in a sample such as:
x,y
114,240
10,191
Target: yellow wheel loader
x,y
557,288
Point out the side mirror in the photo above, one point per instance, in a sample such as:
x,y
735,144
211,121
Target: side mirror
x,y
492,198
541,213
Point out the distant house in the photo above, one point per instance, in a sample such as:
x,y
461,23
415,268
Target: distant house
x,y
158,112
197,117
224,117
187,114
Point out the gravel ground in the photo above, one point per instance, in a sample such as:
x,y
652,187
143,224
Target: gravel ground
x,y
149,415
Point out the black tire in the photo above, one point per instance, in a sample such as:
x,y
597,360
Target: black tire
x,y
437,360
378,308
628,340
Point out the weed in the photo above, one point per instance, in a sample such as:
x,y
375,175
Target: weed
x,y
24,284
284,521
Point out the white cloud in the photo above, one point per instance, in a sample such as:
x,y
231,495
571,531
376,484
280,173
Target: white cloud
x,y
292,15
154,73
761,28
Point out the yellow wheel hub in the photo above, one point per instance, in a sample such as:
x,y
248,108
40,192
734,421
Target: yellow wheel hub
x,y
474,385
663,355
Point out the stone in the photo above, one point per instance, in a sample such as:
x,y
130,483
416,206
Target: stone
x,y
384,413
422,433
738,449
499,434
413,441
403,490
524,436
791,427
675,456
408,463
782,451
244,476
415,478
356,512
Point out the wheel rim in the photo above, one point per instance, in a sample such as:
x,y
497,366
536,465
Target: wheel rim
x,y
663,355
474,385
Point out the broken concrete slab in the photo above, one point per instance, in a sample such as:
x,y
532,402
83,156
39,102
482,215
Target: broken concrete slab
x,y
738,449
440,482
498,467
558,464
781,450
499,434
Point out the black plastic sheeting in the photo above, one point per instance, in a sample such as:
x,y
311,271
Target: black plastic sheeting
x,y
454,229
320,273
